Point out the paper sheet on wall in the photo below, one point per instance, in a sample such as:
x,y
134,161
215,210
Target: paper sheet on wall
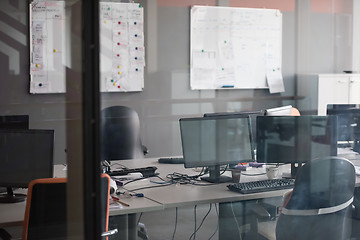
x,y
236,43
275,81
122,51
47,58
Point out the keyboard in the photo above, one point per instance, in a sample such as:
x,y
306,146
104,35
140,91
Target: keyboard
x,y
262,186
171,160
145,171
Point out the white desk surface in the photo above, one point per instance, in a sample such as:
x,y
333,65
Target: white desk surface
x,y
12,214
157,199
182,195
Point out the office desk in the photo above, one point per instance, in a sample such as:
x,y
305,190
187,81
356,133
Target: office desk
x,y
12,214
183,195
157,199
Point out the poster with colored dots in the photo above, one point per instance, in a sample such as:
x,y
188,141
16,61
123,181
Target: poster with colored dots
x,y
234,48
47,42
122,51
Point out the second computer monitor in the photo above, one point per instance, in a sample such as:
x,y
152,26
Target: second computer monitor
x,y
295,140
214,141
25,155
348,121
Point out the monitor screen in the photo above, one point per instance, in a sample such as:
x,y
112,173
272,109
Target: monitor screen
x,y
25,155
251,114
290,139
215,141
348,120
14,122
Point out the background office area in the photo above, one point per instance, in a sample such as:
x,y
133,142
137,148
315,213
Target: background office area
x,y
320,40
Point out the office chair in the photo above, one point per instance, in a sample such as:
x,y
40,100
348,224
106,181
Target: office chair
x,y
121,134
45,213
319,207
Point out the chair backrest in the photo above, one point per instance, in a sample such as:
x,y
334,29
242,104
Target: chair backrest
x,y
46,213
320,205
120,134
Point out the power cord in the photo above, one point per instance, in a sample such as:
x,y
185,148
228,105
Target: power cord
x,y
217,225
176,219
202,221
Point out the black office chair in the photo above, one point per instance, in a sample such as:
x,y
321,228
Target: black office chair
x,y
320,204
121,134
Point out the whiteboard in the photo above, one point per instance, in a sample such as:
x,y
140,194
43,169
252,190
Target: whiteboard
x,y
122,51
234,47
47,47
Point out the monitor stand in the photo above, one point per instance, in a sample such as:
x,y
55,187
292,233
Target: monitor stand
x,y
294,169
11,197
215,177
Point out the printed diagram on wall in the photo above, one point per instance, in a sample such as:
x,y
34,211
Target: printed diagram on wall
x,y
47,45
122,51
235,47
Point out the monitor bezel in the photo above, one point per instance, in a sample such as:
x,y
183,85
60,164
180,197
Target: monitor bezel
x,y
24,184
193,164
296,164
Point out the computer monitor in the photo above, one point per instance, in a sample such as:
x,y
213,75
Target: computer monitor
x,y
14,122
348,121
295,139
251,114
24,155
215,141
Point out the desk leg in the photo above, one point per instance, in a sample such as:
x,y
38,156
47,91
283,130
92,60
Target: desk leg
x,y
132,222
229,228
126,226
119,222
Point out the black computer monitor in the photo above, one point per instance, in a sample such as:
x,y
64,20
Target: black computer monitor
x,y
14,122
348,121
295,139
252,115
215,141
24,155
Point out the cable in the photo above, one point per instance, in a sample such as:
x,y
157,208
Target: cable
x,y
194,234
217,225
202,221
237,223
176,219
254,174
156,186
139,219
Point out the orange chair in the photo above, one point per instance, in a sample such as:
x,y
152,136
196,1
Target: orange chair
x,y
45,213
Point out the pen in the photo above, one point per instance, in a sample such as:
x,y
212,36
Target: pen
x,y
118,200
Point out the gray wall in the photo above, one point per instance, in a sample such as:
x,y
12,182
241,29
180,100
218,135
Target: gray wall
x,y
167,95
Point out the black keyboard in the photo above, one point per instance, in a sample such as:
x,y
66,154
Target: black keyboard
x,y
145,171
262,186
171,160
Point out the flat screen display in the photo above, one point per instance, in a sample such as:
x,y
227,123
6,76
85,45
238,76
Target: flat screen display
x,y
287,139
14,122
25,155
348,120
214,141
